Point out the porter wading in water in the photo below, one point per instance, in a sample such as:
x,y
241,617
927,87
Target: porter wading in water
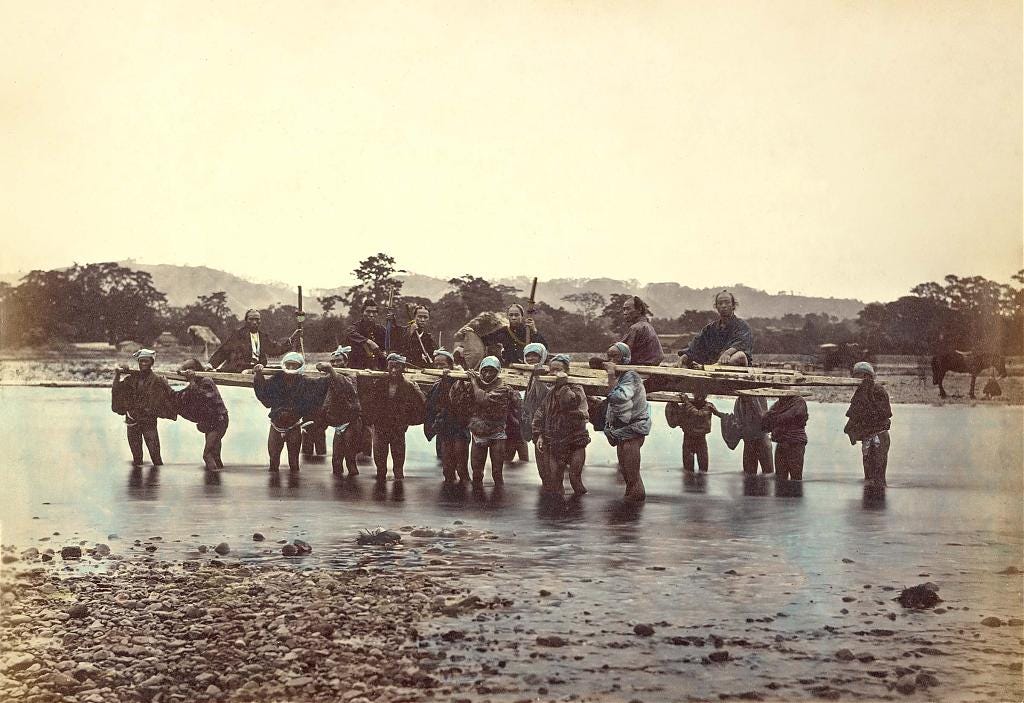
x,y
559,427
492,403
290,397
447,423
743,424
535,354
143,397
869,423
693,417
393,404
787,421
628,419
727,340
200,402
341,410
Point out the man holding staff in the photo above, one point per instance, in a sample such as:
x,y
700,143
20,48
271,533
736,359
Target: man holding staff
x,y
248,346
513,338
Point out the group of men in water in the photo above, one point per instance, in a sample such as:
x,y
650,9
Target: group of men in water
x,y
476,417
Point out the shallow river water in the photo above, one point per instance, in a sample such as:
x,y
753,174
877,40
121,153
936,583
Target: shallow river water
x,y
792,578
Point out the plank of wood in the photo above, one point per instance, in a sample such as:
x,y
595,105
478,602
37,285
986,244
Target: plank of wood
x,y
774,392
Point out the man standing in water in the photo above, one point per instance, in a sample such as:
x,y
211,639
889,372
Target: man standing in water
x,y
870,418
142,398
727,340
248,346
201,403
628,419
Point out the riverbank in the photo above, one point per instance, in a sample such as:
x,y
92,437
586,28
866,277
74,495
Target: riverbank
x,y
907,379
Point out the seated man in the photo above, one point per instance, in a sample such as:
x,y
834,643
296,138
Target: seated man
x,y
727,340
248,346
414,342
641,337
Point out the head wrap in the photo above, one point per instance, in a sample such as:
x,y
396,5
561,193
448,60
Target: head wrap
x,y
564,358
293,357
522,310
536,348
864,367
491,361
394,358
446,354
341,351
624,348
145,354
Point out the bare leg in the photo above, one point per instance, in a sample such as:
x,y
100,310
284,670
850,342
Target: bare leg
x,y
380,453
702,452
628,453
764,455
398,453
275,443
576,461
135,443
498,450
750,453
688,452
478,458
294,442
152,437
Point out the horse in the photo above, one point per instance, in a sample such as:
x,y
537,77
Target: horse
x,y
965,362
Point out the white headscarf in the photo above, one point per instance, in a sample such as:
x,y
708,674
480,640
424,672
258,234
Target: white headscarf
x,y
295,357
145,354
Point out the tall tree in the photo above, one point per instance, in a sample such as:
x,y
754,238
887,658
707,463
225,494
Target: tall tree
x,y
376,281
588,303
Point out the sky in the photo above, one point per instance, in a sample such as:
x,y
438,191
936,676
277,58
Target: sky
x,y
847,149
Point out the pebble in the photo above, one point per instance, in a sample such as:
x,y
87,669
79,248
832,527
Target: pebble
x,y
78,611
222,548
643,630
906,684
289,550
257,537
845,655
992,621
552,641
718,656
72,552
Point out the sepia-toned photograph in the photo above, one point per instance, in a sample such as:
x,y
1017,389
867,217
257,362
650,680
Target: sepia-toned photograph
x,y
501,352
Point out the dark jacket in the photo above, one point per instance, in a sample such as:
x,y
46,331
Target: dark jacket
x,y
787,420
644,344
443,419
200,402
561,418
235,354
512,343
869,413
499,408
418,351
398,412
291,396
356,336
716,337
144,397
691,416
341,405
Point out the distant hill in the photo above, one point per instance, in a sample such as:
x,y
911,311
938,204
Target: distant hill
x,y
181,285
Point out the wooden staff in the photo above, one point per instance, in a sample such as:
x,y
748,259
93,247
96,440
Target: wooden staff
x,y
531,307
300,317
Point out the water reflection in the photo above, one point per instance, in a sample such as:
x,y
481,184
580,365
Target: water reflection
x,y
755,485
874,497
211,483
555,508
144,485
292,483
695,483
623,512
788,489
347,488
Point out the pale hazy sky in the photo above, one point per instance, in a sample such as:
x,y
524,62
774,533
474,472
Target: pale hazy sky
x,y
832,148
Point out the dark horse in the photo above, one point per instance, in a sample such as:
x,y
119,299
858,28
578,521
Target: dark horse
x,y
965,362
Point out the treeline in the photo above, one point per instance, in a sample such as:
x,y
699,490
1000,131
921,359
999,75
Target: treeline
x,y
111,303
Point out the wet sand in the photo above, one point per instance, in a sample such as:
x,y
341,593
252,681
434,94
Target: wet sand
x,y
719,587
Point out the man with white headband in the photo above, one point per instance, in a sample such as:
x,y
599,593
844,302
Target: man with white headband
x,y
491,404
392,405
342,411
290,397
447,423
870,416
141,398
